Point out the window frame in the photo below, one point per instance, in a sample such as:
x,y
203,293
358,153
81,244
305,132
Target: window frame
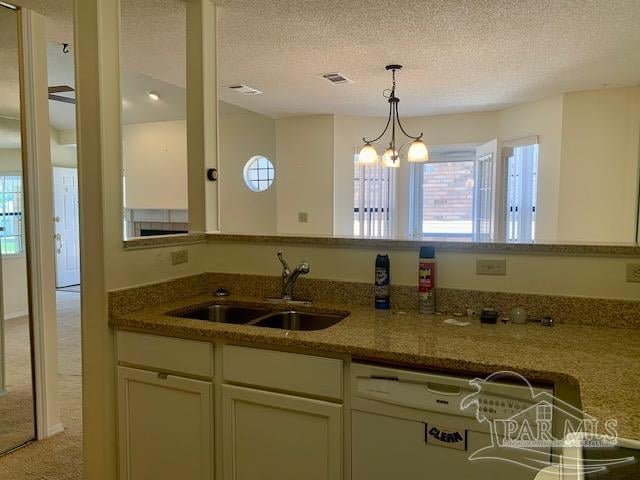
x,y
416,193
21,252
249,166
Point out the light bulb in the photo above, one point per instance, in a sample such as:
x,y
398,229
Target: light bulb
x,y
418,152
368,155
390,158
154,96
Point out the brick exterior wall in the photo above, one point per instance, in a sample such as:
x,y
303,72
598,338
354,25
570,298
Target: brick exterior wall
x,y
448,192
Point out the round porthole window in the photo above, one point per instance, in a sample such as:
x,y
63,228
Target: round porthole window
x,y
258,173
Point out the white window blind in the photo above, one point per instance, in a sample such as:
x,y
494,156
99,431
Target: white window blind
x,y
522,186
11,224
374,202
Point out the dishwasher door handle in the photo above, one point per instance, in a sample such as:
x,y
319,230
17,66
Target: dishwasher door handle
x,y
443,389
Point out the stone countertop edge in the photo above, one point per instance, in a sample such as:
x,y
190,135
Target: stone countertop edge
x,y
164,241
447,246
589,357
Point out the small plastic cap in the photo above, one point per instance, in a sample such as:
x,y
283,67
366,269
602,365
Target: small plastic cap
x,y
427,252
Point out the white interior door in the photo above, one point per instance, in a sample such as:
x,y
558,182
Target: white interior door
x,y
67,230
484,217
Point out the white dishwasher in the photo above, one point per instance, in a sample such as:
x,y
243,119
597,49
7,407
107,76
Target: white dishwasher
x,y
408,425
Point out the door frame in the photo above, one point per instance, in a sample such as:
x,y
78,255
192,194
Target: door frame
x,y
38,186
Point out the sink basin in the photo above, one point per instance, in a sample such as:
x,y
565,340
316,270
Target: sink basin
x,y
294,320
225,313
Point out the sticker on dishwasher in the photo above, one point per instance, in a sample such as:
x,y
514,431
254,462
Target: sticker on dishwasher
x,y
445,437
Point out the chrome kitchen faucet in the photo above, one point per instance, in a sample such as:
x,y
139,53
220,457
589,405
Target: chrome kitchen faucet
x,y
289,277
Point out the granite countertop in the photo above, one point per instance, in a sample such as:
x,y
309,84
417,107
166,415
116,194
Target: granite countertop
x,y
603,362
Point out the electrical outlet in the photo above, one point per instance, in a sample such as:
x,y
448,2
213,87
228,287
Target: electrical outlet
x,y
491,267
633,272
179,256
302,217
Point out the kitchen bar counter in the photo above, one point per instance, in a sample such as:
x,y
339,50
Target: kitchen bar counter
x,y
603,362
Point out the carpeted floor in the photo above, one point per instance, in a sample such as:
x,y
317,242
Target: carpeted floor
x,y
16,406
58,457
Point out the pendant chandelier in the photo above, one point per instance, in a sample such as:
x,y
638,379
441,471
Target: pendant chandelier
x,y
417,152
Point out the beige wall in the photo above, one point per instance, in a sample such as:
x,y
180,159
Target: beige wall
x,y
14,286
304,172
599,175
242,136
63,154
155,165
544,274
544,119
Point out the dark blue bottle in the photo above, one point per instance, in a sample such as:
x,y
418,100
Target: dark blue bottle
x,y
382,282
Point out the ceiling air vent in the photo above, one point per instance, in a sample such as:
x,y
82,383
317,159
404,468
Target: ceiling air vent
x,y
243,89
336,78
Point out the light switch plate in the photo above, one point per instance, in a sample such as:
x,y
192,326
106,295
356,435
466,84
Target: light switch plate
x,y
491,267
302,217
179,256
633,272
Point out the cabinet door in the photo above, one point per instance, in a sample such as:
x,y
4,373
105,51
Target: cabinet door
x,y
165,426
269,436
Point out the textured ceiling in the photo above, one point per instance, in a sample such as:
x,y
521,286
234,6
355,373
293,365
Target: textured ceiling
x,y
458,55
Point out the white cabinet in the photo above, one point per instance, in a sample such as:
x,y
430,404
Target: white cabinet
x,y
270,435
165,426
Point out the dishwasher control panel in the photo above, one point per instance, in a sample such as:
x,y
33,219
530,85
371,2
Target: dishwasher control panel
x,y
448,394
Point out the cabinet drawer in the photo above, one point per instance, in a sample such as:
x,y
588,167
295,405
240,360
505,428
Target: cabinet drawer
x,y
292,372
166,353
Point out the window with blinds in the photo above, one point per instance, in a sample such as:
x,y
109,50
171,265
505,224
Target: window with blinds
x,y
521,194
374,200
11,223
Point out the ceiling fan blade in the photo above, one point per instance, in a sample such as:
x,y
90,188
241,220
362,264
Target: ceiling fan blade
x,y
58,98
60,89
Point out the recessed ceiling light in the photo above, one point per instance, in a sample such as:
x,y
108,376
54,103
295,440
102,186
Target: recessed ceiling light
x,y
154,96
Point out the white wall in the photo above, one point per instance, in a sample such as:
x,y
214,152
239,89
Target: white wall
x,y
304,172
242,136
542,118
599,173
155,165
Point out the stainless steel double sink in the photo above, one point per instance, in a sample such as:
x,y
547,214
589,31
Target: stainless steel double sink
x,y
262,317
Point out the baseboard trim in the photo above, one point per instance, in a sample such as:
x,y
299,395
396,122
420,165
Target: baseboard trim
x,y
55,429
16,315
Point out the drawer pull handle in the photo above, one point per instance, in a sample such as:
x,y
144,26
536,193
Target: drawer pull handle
x,y
162,376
